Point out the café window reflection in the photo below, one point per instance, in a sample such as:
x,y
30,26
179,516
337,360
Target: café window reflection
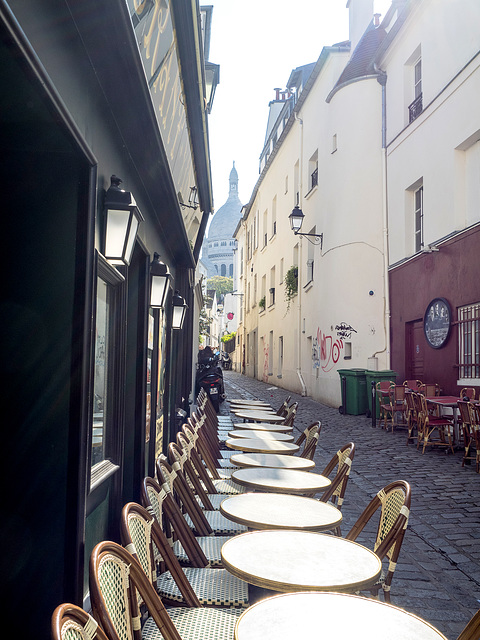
x,y
102,335
106,375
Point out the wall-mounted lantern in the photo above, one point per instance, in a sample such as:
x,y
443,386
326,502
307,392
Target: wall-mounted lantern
x,y
296,221
192,200
179,310
122,218
160,279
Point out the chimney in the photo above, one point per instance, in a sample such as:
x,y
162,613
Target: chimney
x,y
360,16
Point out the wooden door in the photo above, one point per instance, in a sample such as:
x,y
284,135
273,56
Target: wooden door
x,y
415,349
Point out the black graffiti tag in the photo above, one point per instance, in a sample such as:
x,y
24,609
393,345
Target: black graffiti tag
x,y
344,330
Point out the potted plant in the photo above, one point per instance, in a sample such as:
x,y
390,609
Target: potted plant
x,y
261,304
291,285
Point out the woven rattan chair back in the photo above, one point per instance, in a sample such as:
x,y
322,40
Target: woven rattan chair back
x,y
468,392
283,408
392,506
159,501
187,441
115,578
413,385
142,536
342,462
69,622
309,438
291,413
429,390
182,493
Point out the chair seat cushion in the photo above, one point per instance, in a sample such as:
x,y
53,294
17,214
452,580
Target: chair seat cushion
x,y
220,525
228,486
215,498
210,545
214,587
197,624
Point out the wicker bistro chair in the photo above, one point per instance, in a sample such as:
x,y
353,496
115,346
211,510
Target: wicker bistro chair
x,y
470,421
309,438
191,586
70,622
191,550
413,385
413,411
429,424
342,462
209,497
467,428
204,523
115,580
393,505
468,392
385,401
429,390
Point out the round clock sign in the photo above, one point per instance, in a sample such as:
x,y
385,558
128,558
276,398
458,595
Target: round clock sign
x,y
437,322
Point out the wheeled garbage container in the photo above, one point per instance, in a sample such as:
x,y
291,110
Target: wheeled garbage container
x,y
374,377
354,391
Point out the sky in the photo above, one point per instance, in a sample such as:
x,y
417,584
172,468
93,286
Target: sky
x,y
257,43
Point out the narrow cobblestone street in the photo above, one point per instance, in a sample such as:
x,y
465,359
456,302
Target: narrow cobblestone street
x,y
438,574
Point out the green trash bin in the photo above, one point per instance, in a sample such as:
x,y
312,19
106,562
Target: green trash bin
x,y
374,377
354,391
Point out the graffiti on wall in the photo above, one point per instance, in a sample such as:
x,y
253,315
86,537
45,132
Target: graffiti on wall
x,y
327,348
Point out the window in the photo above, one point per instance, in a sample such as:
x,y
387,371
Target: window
x,y
223,270
414,93
106,412
469,343
230,270
418,219
265,228
272,287
334,143
313,171
274,216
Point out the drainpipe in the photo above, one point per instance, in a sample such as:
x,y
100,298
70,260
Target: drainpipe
x,y
300,247
382,80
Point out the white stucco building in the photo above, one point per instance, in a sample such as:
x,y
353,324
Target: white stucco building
x,y
351,146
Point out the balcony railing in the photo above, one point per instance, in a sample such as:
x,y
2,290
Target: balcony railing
x,y
314,178
415,109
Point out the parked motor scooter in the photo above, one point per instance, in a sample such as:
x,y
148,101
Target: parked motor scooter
x,y
210,378
226,361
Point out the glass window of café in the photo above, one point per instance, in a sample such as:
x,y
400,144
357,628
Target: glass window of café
x,y
104,451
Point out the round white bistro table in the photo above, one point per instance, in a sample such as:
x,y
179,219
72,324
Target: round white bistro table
x,y
286,560
258,416
261,445
272,460
280,511
263,426
291,481
330,615
263,435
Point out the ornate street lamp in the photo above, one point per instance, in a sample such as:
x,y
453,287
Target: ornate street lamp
x,y
296,221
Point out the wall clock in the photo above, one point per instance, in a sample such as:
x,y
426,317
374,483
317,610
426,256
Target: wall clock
x,y
437,322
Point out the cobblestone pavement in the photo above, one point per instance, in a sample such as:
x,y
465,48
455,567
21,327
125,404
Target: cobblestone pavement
x,y
438,573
